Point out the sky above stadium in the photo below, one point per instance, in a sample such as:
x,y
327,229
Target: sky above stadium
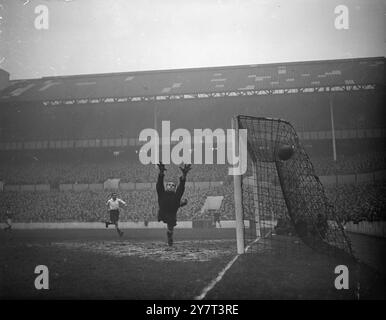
x,y
65,37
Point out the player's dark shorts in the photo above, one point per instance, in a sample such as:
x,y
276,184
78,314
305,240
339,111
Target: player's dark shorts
x,y
114,216
170,220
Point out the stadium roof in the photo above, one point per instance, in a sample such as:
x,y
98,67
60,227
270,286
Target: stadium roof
x,y
278,78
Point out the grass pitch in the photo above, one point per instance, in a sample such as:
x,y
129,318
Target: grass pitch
x,y
96,264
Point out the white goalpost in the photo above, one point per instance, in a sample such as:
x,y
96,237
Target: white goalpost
x,y
254,222
238,195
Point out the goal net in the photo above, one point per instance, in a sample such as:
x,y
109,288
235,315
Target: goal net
x,y
281,200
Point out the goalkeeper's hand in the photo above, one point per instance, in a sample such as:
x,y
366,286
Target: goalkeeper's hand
x,y
185,169
161,167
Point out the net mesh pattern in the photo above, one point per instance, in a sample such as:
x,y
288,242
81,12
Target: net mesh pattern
x,y
284,201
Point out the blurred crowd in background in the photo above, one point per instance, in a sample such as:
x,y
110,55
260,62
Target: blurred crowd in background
x,y
353,202
35,171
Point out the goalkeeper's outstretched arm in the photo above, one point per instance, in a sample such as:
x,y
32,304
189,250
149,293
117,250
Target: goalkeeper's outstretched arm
x,y
181,186
160,181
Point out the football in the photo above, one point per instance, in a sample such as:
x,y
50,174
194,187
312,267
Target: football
x,y
285,152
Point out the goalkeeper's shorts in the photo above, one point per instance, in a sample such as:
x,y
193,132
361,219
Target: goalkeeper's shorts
x,y
170,220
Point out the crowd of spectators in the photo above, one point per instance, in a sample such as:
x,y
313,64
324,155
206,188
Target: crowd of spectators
x,y
359,202
354,202
55,172
90,206
361,163
98,172
69,206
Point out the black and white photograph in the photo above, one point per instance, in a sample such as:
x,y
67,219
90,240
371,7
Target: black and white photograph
x,y
199,151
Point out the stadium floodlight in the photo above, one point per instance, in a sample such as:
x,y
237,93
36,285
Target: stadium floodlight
x,y
280,195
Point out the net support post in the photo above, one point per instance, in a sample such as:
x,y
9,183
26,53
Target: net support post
x,y
238,195
256,213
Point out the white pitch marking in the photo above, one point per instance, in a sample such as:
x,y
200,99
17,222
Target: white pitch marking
x,y
219,277
216,280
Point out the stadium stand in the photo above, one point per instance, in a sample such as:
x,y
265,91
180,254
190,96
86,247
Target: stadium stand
x,y
354,203
35,171
65,110
142,85
360,202
361,163
305,112
121,105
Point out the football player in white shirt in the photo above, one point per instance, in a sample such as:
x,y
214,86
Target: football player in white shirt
x,y
113,206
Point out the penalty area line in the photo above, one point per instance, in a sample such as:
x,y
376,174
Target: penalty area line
x,y
221,274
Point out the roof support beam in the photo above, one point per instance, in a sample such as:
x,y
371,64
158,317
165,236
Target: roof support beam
x,y
205,95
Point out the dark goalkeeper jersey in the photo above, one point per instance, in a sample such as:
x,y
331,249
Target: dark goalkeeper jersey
x,y
169,201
